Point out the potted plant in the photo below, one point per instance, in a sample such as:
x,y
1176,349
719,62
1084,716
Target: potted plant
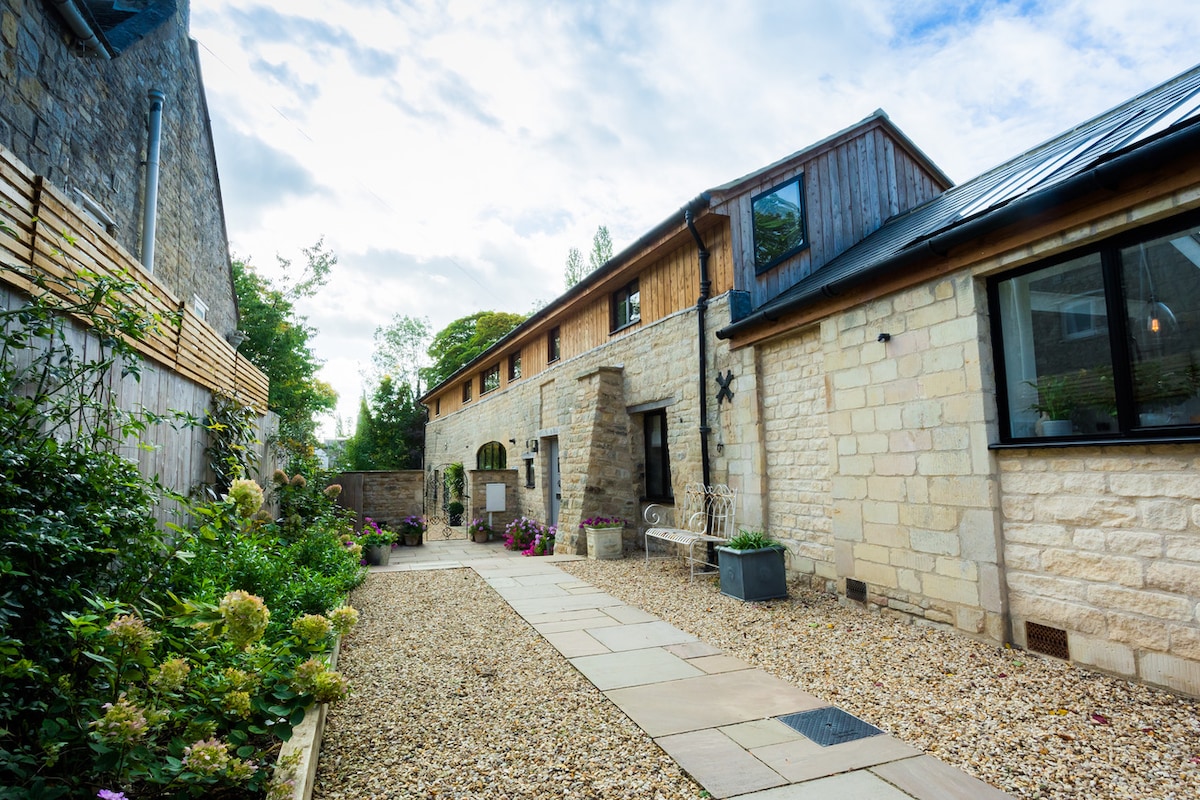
x,y
605,537
412,529
479,531
523,532
456,483
752,567
454,510
1056,402
376,542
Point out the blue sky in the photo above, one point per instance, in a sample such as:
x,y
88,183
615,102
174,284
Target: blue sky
x,y
452,152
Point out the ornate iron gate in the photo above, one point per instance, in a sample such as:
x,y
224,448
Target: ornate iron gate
x,y
440,490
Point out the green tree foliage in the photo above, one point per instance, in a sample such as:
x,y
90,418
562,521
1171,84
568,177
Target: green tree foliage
x,y
573,272
278,342
390,432
400,349
600,254
602,249
461,341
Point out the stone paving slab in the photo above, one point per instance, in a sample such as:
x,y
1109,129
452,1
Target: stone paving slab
x,y
573,644
850,786
927,778
803,759
710,701
718,763
633,668
640,635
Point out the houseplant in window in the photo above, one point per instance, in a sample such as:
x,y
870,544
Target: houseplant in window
x,y
605,537
1056,402
376,542
752,567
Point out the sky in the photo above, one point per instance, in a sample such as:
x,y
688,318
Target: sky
x,y
451,153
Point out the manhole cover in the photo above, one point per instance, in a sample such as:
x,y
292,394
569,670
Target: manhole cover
x,y
829,725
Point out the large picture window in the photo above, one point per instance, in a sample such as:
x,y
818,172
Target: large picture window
x,y
658,458
779,230
1103,344
626,306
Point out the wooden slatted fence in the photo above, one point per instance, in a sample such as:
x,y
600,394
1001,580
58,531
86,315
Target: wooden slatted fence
x,y
42,233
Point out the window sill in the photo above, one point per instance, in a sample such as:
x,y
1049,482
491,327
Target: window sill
x,y
1125,441
625,327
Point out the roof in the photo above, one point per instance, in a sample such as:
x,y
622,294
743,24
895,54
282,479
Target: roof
x,y
1047,172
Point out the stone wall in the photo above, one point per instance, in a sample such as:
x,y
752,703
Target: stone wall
x,y
386,496
1104,543
913,484
478,480
590,403
81,122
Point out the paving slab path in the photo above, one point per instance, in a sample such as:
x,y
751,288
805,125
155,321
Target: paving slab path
x,y
715,715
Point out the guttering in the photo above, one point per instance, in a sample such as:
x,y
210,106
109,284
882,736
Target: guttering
x,y
701,339
150,206
82,29
1107,176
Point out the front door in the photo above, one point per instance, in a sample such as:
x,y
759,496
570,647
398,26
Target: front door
x,y
554,481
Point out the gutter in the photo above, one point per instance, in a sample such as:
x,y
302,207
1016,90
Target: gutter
x,y
85,35
1107,176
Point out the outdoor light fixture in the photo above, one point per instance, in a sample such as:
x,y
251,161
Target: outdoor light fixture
x,y
235,338
883,337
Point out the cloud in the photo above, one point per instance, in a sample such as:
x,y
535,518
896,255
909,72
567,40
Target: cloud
x,y
256,177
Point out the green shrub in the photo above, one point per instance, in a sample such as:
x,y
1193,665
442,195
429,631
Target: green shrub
x,y
751,540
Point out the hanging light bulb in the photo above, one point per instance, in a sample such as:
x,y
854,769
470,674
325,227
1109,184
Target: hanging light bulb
x,y
1158,316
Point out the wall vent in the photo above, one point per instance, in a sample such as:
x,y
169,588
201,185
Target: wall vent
x,y
1046,640
856,590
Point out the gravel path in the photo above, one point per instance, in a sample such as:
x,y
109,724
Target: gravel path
x,y
454,696
1032,726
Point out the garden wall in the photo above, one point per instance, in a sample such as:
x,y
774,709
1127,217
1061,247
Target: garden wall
x,y
386,496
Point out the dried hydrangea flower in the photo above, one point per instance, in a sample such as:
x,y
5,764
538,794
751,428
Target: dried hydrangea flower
x,y
333,491
343,619
304,679
247,496
299,481
207,757
123,722
312,627
171,674
330,686
130,631
245,617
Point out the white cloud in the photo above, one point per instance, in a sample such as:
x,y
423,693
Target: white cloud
x,y
451,153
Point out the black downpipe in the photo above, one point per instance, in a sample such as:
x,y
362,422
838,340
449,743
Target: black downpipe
x,y
701,308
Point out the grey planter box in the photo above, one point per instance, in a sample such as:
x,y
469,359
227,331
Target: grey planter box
x,y
752,574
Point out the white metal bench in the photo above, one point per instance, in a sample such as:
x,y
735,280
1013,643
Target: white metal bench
x,y
705,515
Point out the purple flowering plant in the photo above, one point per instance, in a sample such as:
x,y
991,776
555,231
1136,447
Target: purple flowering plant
x,y
412,526
542,544
603,522
373,535
520,533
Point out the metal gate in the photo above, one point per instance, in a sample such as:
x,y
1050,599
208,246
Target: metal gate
x,y
440,490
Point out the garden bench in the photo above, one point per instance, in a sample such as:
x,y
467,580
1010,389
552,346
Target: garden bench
x,y
705,515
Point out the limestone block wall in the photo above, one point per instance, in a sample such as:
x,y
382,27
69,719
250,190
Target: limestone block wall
x,y
600,444
387,496
1104,543
81,123
795,439
914,486
478,480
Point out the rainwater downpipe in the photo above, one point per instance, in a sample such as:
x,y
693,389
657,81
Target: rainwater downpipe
x,y
701,308
150,207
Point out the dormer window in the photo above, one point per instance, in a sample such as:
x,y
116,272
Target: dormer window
x,y
779,230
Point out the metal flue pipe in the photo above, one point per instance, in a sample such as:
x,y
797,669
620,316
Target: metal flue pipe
x,y
150,205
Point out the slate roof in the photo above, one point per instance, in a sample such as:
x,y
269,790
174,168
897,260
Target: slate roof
x,y
968,208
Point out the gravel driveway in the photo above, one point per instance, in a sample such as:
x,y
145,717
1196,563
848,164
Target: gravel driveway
x,y
455,696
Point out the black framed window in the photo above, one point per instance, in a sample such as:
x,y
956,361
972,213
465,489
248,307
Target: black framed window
x,y
778,222
626,306
658,457
489,379
554,345
492,456
466,392
514,366
1105,342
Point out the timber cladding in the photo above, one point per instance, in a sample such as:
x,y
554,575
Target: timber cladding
x,y
45,236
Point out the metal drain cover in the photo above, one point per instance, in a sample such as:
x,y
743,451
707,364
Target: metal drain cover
x,y
829,725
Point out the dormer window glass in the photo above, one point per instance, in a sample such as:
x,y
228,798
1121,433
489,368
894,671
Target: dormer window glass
x,y
779,229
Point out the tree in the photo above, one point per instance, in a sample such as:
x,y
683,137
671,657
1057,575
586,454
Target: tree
x,y
601,253
391,430
400,350
602,249
461,341
277,342
573,272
